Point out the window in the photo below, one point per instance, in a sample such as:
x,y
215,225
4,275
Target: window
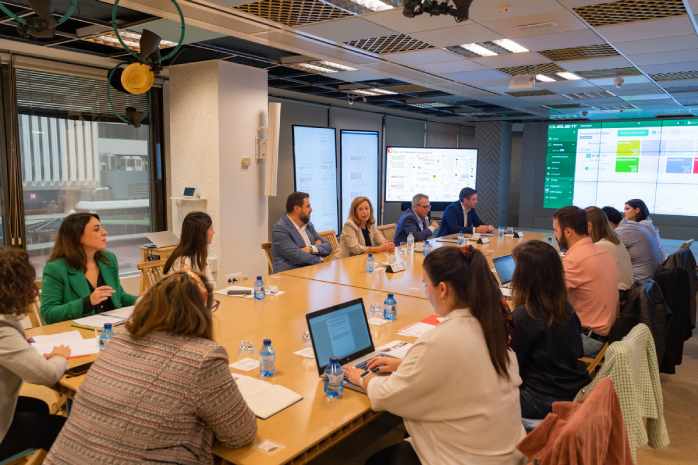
x,y
74,159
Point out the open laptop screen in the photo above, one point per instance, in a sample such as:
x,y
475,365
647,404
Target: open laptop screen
x,y
505,268
340,331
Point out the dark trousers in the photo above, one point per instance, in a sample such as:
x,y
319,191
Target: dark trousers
x,y
535,405
399,454
32,427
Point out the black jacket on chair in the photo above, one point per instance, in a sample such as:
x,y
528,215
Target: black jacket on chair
x,y
675,288
645,305
687,261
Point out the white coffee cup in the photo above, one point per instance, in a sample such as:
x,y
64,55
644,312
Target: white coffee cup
x,y
476,236
392,259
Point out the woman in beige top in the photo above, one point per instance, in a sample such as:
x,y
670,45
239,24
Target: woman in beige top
x,y
192,251
360,232
601,233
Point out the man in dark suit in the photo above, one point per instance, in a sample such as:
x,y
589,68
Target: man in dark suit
x,y
461,216
414,221
294,241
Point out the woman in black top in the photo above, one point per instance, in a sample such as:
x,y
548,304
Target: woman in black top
x,y
547,337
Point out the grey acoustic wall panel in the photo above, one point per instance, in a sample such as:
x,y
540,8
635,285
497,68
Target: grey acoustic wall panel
x,y
488,140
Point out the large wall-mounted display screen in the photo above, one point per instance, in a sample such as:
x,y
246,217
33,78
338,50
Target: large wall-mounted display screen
x,y
609,163
359,163
315,167
438,173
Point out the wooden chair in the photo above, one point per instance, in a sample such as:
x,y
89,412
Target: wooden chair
x,y
27,457
388,231
35,308
686,245
331,237
151,273
266,246
592,363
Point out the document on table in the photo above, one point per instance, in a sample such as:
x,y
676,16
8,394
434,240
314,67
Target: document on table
x,y
79,347
397,349
97,321
263,398
124,312
416,329
244,296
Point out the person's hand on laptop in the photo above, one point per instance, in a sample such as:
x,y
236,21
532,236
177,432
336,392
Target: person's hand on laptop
x,y
353,374
384,364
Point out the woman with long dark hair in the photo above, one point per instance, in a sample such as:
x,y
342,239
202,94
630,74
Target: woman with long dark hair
x,y
192,251
547,337
81,278
636,210
602,234
457,387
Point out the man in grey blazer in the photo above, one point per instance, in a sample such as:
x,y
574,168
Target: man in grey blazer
x,y
294,241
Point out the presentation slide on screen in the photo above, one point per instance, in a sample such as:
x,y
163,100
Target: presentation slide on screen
x,y
359,151
438,173
609,163
315,162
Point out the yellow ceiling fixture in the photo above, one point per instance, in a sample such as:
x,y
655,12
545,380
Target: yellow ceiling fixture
x,y
137,78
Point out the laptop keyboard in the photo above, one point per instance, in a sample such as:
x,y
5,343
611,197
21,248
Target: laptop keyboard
x,y
362,365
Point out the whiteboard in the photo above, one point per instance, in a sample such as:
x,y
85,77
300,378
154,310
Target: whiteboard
x,y
315,173
359,168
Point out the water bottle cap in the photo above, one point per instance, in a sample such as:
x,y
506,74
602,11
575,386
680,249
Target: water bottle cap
x,y
267,342
426,242
410,234
259,278
334,360
390,296
107,325
370,255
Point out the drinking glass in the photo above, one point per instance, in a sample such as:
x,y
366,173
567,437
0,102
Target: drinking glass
x,y
306,342
246,350
510,231
376,310
274,284
98,331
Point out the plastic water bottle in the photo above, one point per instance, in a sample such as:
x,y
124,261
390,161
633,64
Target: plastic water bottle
x,y
390,308
426,250
334,378
461,238
105,336
370,264
267,359
259,289
500,231
550,241
410,243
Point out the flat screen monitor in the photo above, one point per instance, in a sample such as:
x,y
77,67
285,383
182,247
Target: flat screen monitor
x,y
438,173
359,168
609,163
315,173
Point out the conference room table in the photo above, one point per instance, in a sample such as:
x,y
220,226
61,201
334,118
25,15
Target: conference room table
x,y
306,429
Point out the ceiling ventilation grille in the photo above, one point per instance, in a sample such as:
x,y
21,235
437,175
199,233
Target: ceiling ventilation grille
x,y
610,72
678,90
614,107
295,12
629,11
390,44
407,89
675,76
566,105
546,68
580,53
588,95
531,93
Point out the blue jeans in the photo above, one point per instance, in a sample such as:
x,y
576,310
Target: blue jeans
x,y
535,405
591,346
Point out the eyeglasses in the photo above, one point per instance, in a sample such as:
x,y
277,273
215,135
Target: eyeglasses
x,y
215,305
428,207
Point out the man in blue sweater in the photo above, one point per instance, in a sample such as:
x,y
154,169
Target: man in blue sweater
x,y
461,216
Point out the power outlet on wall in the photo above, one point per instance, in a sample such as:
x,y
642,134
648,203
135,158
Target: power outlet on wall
x,y
233,278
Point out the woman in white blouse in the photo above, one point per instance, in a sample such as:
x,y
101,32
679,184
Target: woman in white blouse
x,y
457,387
192,251
360,232
601,233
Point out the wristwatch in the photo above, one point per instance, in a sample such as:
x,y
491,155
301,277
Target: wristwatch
x,y
361,379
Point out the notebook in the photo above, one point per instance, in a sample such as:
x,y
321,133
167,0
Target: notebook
x,y
97,321
263,398
79,347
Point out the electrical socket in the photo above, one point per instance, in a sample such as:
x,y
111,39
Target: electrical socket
x,y
245,277
233,278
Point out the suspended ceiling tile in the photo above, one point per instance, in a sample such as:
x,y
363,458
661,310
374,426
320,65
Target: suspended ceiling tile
x,y
477,75
563,19
664,57
466,91
423,57
628,81
450,36
565,87
354,76
346,29
491,84
595,63
599,101
670,67
505,101
623,92
512,60
453,67
678,83
487,10
685,96
646,97
562,40
172,30
580,3
664,44
547,99
644,30
313,46
395,20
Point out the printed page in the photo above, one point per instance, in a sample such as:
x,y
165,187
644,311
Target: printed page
x,y
263,398
58,339
124,312
78,348
98,321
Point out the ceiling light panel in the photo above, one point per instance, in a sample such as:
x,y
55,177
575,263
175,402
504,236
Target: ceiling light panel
x,y
390,44
569,76
510,45
479,50
544,78
132,39
372,92
374,5
430,105
321,67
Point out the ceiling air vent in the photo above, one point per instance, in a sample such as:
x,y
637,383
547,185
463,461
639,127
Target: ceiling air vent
x,y
390,44
295,12
675,76
580,53
629,11
531,93
588,95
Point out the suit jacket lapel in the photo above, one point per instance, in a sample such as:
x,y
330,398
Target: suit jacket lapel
x,y
294,232
78,282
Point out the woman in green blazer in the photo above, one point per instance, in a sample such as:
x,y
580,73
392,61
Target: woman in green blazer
x,y
81,278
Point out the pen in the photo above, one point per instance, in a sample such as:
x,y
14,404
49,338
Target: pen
x,y
30,340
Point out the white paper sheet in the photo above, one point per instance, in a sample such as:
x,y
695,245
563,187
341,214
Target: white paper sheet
x,y
397,349
416,329
246,364
78,348
124,312
97,321
60,338
265,399
307,352
375,321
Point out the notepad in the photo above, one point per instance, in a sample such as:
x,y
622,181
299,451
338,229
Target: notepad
x,y
263,398
124,312
79,347
97,321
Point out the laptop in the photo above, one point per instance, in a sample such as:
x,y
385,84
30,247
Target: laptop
x,y
505,269
162,239
342,331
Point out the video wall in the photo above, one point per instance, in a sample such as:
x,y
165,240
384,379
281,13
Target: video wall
x,y
610,163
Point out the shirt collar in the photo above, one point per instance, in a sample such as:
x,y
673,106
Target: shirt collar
x,y
299,228
580,243
459,312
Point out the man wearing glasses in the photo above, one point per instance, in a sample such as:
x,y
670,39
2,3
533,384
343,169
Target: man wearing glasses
x,y
414,221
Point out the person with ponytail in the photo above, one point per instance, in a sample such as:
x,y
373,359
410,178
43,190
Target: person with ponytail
x,y
192,251
457,389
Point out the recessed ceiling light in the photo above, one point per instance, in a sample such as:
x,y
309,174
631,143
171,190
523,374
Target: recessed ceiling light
x,y
374,5
544,78
569,76
510,45
531,26
430,105
132,39
383,91
479,49
322,67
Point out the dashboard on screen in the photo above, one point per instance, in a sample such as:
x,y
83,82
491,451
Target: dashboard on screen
x,y
610,163
359,168
315,173
438,173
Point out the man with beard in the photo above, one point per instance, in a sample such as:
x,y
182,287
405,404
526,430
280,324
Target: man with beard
x,y
591,275
294,241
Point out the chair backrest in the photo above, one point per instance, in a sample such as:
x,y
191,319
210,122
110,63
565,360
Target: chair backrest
x,y
35,308
686,245
388,231
331,237
266,246
151,272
